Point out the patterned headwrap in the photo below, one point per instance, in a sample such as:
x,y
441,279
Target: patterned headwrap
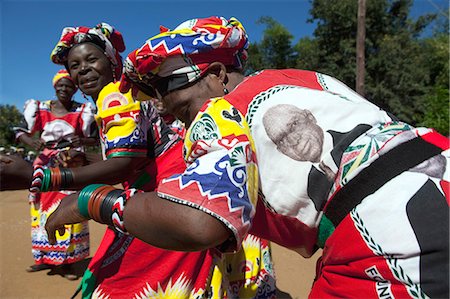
x,y
177,57
62,74
106,37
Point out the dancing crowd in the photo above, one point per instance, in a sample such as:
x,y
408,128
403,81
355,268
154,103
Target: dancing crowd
x,y
214,165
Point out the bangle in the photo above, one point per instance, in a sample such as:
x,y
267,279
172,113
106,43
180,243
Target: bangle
x,y
66,178
83,199
118,208
47,181
107,206
96,201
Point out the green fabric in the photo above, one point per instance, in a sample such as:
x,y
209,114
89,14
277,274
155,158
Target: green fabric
x,y
88,284
141,181
326,228
125,154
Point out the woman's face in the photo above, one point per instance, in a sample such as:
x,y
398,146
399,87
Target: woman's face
x,y
90,68
65,90
184,103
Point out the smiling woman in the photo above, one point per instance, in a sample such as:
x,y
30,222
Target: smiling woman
x,y
90,68
58,121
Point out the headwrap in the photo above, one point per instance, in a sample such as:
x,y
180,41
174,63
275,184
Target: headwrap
x,y
62,74
183,54
103,35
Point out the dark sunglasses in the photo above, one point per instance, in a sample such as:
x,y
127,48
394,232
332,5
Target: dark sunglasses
x,y
158,87
164,85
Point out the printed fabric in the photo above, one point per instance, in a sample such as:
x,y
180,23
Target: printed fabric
x,y
103,35
124,266
190,47
304,135
73,246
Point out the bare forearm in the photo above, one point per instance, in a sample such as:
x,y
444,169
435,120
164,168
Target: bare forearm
x,y
25,139
112,171
172,226
15,173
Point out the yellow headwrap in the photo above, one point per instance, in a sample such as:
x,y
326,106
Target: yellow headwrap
x,y
62,74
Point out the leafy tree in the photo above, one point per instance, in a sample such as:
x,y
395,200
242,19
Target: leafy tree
x,y
9,116
275,50
436,52
406,74
307,58
396,77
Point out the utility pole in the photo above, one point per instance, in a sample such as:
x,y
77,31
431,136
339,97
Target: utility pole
x,y
360,47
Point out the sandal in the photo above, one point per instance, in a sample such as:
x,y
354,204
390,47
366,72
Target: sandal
x,y
40,267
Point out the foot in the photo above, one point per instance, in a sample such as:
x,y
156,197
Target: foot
x,y
40,267
70,276
68,272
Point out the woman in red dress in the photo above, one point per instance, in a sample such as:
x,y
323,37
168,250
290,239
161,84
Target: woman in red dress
x,y
61,124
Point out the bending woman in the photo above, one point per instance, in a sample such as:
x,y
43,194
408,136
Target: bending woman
x,y
140,150
61,123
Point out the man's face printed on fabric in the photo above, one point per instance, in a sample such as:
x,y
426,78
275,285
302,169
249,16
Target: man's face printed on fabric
x,y
295,132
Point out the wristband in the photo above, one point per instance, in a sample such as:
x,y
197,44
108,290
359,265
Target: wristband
x,y
66,178
118,208
107,206
83,199
38,177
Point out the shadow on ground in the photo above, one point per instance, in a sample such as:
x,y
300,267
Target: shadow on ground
x,y
75,270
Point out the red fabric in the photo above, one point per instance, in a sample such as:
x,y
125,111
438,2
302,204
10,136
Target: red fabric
x,y
345,261
133,264
285,231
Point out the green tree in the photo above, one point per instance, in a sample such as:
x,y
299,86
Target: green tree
x,y
10,116
436,106
275,51
396,77
307,58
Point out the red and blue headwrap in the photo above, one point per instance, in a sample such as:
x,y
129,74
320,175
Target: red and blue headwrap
x,y
187,51
103,35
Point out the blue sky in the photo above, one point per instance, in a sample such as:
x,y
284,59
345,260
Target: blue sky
x,y
30,29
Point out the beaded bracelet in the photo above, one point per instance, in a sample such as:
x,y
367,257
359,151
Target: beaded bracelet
x,y
48,179
118,208
38,176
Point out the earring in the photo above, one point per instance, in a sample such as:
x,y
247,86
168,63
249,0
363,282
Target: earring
x,y
114,73
225,90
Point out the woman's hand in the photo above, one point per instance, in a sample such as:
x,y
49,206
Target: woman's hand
x,y
75,140
71,158
38,144
66,213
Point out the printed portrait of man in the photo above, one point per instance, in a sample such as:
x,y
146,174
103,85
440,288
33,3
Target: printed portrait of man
x,y
295,132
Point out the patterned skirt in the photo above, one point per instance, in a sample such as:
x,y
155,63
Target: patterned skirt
x,y
71,247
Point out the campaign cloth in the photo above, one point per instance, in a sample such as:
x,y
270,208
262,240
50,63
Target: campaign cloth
x,y
126,267
297,138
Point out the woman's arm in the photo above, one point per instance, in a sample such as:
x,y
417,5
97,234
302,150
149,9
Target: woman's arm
x,y
15,173
156,221
26,139
111,172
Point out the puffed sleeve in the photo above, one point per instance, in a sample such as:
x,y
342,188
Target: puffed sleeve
x,y
31,121
221,177
122,124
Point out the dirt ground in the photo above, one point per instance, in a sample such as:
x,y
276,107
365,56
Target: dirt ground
x,y
294,274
